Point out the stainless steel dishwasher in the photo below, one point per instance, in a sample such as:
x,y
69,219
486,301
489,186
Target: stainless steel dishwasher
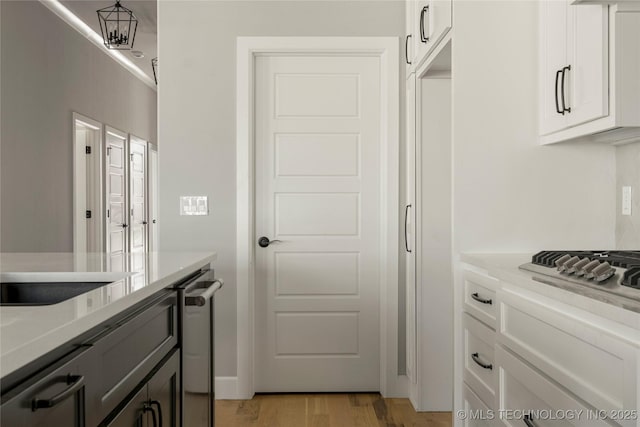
x,y
197,332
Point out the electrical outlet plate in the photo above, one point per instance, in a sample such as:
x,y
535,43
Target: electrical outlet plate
x,y
194,205
627,200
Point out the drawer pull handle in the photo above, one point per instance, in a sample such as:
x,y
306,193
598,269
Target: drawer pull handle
x,y
156,403
476,297
149,408
75,382
476,358
528,420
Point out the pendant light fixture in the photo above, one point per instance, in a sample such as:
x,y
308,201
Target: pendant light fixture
x,y
154,65
118,26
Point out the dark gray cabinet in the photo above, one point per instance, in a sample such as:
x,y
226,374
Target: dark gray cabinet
x,y
125,356
126,374
157,402
54,397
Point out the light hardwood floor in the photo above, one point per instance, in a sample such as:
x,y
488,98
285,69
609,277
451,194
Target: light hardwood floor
x,y
325,410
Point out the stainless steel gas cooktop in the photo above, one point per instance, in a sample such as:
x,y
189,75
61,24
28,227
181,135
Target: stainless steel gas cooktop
x,y
616,272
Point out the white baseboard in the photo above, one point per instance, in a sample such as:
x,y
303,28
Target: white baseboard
x,y
227,388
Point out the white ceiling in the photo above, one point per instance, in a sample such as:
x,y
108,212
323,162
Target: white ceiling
x,y
146,11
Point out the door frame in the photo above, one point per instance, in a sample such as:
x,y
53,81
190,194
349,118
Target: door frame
x,y
387,49
91,191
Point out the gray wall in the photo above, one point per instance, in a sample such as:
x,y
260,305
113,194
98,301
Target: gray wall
x,y
49,71
197,115
510,193
628,173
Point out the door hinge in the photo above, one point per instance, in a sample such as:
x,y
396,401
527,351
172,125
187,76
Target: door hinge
x,y
108,151
108,213
87,149
131,157
87,214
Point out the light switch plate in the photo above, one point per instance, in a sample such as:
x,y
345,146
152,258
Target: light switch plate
x,y
627,200
194,205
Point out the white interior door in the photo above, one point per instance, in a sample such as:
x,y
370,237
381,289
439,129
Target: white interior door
x,y
153,199
138,201
317,184
116,199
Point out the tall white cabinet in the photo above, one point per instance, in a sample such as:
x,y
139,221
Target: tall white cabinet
x,y
427,211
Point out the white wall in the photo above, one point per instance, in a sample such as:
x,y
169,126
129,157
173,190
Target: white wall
x,y
197,115
49,71
510,194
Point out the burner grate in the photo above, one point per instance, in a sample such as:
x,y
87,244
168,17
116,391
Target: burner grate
x,y
622,259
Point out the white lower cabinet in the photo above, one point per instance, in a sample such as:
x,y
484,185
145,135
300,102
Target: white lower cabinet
x,y
477,413
531,360
479,361
594,365
529,398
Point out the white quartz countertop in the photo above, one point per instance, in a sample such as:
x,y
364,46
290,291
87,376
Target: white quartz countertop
x,y
29,332
504,267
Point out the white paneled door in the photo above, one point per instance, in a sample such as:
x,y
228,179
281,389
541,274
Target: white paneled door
x,y
138,201
318,194
116,195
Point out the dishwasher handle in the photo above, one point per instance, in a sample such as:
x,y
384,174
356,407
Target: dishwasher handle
x,y
201,299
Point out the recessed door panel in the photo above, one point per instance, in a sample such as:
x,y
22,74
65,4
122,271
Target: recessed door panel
x,y
317,273
317,154
320,214
316,95
316,333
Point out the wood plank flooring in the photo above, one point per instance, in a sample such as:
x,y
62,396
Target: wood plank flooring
x,y
324,410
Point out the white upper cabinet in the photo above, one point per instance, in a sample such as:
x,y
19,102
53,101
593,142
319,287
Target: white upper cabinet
x,y
587,55
428,21
574,80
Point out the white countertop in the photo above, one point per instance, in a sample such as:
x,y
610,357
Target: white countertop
x,y
29,332
504,267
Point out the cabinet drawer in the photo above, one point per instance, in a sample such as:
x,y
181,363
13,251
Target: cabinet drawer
x,y
525,392
480,297
597,367
126,355
479,361
63,385
477,414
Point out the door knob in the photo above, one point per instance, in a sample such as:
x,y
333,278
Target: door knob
x,y
263,242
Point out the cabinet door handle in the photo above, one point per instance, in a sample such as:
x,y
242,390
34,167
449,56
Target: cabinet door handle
x,y
148,408
406,216
156,403
558,110
476,297
564,74
75,382
406,49
423,36
528,420
476,358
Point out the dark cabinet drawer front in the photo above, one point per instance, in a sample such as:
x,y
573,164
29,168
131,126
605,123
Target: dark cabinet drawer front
x,y
63,387
126,355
